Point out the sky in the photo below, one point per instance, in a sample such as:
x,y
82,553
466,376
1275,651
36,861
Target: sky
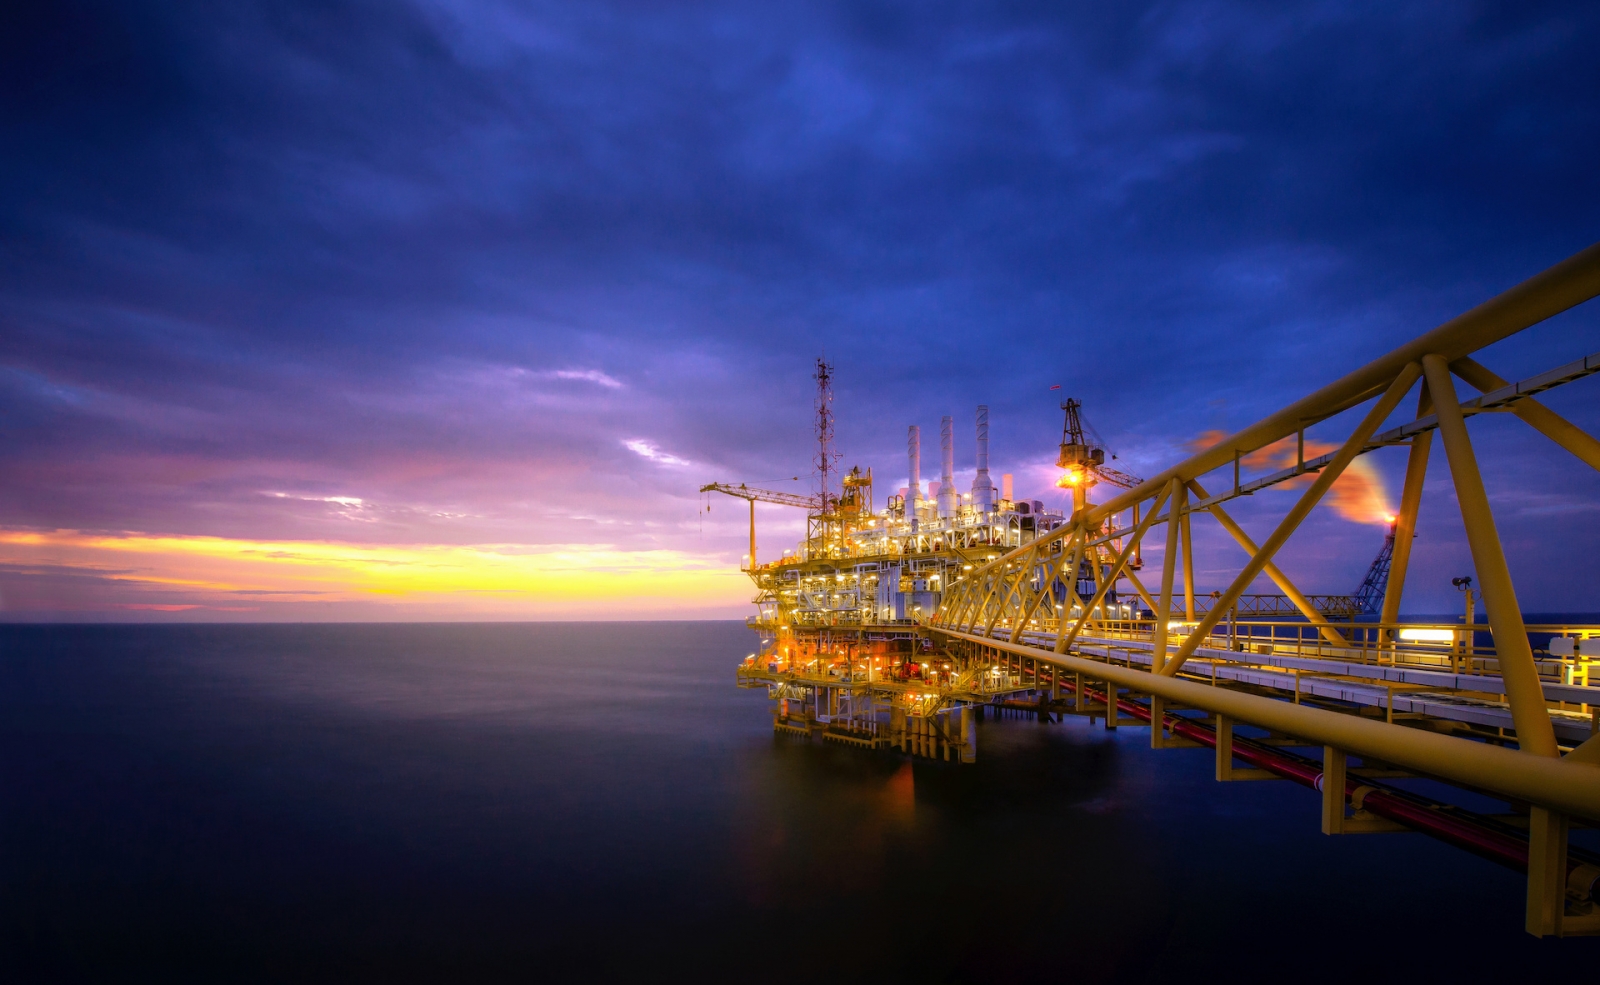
x,y
416,310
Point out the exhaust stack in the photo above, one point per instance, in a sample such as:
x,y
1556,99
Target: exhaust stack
x,y
982,488
914,454
948,505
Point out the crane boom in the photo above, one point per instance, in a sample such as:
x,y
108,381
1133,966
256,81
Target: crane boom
x,y
1116,477
754,496
743,491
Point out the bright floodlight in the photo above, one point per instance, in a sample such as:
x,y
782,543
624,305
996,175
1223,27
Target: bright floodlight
x,y
1428,635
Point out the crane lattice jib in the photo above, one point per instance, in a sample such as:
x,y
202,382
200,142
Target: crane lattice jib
x,y
1114,477
1369,597
742,491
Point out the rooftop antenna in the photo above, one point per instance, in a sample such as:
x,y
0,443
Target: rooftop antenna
x,y
827,458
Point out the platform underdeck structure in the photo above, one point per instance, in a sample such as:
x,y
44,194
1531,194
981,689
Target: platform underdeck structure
x,y
900,629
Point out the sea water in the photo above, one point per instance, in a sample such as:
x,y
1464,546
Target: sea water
x,y
599,802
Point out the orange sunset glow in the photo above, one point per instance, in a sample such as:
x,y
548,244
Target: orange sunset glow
x,y
135,572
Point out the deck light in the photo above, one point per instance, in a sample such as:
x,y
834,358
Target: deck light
x,y
1428,635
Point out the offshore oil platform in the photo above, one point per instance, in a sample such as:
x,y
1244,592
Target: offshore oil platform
x,y
900,628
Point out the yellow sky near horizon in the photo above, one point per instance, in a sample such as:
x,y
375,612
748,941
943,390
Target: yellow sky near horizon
x,y
135,571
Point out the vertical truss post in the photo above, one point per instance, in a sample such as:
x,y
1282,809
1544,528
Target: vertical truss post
x,y
1138,558
1406,523
1524,693
1158,652
1188,559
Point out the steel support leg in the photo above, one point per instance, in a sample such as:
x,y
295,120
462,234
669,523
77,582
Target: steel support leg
x,y
1524,693
1547,871
1332,783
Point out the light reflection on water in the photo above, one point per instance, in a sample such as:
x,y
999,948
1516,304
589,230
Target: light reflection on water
x,y
564,800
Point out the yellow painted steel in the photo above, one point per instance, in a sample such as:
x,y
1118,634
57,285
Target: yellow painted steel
x,y
1405,523
1523,692
1570,282
1072,589
1163,610
1011,589
1103,584
1352,447
1547,871
1564,785
995,604
1544,420
995,601
1271,570
1024,614
1188,562
1138,586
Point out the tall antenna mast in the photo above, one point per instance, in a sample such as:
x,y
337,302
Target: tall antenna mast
x,y
827,458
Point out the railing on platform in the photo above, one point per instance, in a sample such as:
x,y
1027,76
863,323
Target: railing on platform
x,y
1431,646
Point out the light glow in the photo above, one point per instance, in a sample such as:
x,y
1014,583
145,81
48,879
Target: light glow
x,y
1428,635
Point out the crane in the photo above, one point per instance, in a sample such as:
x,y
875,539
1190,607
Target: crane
x,y
1085,460
1368,599
1085,463
753,496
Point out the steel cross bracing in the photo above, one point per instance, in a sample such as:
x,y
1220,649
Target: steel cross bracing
x,y
1026,601
1504,398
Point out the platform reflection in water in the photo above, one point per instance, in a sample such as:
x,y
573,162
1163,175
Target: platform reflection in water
x,y
518,801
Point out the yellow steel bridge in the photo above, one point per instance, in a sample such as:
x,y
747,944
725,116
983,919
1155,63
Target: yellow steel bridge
x,y
1364,702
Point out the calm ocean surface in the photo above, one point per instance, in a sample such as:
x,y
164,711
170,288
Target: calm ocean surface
x,y
549,802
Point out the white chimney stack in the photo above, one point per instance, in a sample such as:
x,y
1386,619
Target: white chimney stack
x,y
982,488
914,453
947,479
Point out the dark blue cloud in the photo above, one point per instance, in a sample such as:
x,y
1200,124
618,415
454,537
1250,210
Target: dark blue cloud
x,y
343,248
